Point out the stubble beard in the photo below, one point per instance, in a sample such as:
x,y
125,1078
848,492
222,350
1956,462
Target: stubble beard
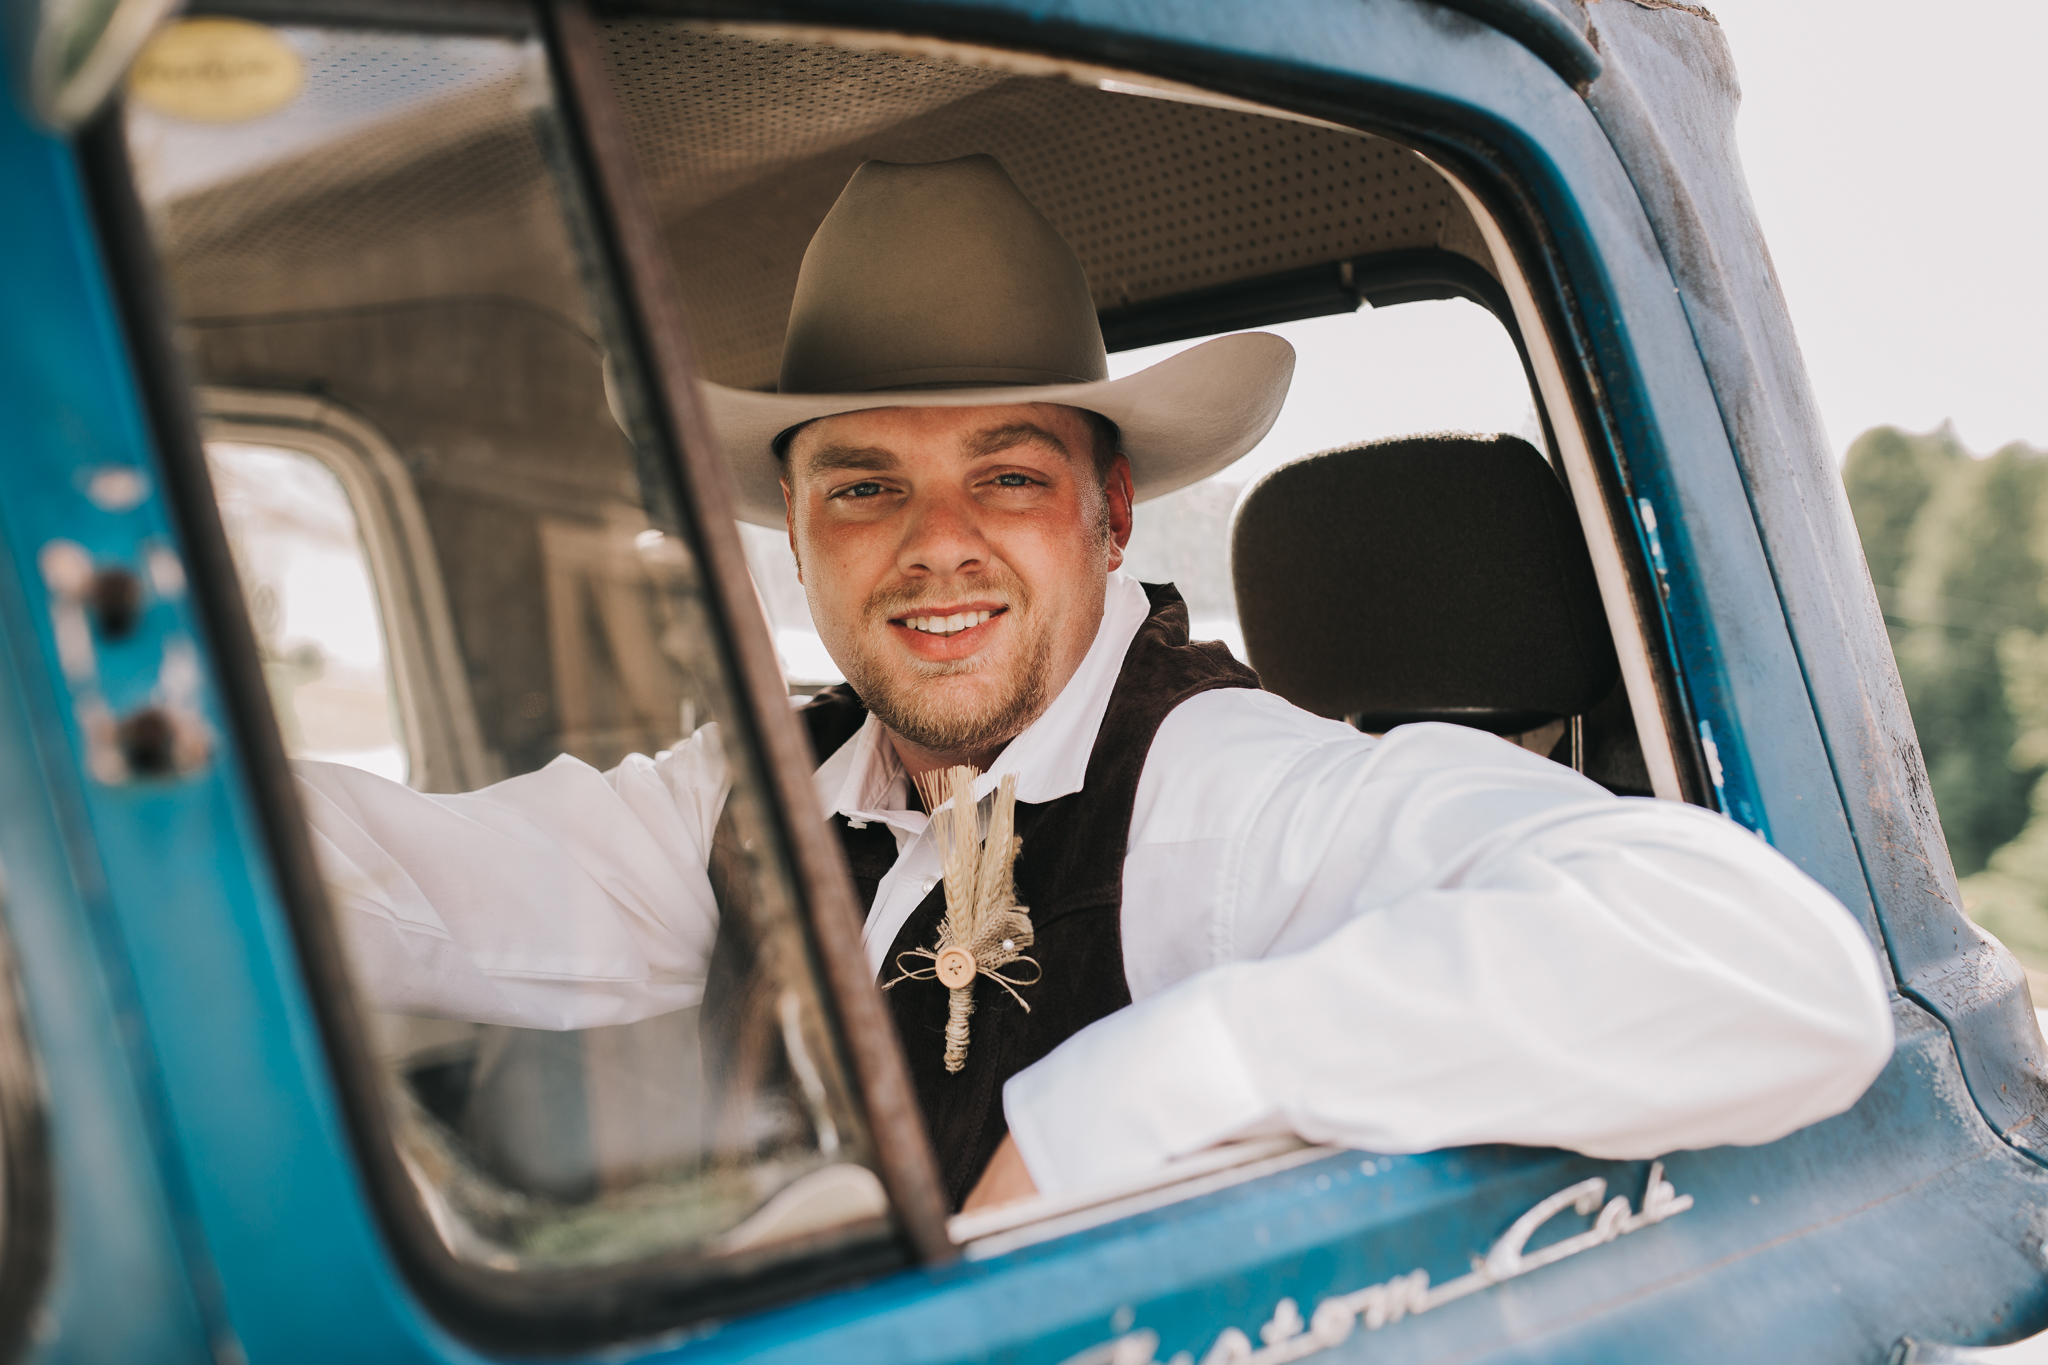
x,y
906,700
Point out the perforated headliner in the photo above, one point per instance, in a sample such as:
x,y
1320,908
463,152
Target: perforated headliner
x,y
747,139
1158,197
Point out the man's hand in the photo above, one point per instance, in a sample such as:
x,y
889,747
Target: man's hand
x,y
1004,1182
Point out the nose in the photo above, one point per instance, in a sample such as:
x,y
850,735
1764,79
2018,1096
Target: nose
x,y
943,537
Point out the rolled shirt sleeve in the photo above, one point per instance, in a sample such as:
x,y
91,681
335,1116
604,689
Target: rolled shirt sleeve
x,y
1439,939
561,899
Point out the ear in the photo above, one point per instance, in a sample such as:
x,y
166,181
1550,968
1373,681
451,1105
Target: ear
x,y
1118,493
789,524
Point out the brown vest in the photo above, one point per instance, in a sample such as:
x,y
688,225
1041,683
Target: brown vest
x,y
1070,877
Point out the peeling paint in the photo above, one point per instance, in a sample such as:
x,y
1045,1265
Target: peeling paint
x,y
1697,11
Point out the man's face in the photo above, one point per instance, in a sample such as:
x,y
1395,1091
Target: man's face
x,y
955,561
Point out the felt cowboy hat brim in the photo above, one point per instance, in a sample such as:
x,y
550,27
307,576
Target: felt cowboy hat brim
x,y
1181,420
941,285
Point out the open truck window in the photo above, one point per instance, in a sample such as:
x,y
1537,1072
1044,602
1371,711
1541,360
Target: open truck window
x,y
1195,216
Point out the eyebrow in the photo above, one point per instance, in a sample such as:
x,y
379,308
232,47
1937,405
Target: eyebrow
x,y
981,445
871,458
997,439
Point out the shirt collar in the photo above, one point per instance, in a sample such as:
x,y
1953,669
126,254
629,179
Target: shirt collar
x,y
862,780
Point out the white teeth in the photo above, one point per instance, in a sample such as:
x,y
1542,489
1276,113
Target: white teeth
x,y
947,625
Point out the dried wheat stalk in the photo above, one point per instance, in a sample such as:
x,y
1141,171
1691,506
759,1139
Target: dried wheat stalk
x,y
985,931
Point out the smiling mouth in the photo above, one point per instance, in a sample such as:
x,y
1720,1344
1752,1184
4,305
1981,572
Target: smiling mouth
x,y
947,626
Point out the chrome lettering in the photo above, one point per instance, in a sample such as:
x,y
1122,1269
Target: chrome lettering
x,y
1286,1336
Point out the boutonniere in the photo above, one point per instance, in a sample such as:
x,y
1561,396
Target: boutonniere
x,y
985,931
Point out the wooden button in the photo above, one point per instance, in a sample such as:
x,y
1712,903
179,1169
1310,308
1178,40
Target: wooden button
x,y
956,968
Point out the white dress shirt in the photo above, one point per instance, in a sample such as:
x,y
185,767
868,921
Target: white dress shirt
x,y
1398,944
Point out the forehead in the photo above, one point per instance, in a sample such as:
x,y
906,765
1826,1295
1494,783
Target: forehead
x,y
906,431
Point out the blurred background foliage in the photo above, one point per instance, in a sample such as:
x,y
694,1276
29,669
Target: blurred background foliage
x,y
1958,549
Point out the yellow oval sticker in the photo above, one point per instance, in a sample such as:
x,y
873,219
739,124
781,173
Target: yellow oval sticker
x,y
216,71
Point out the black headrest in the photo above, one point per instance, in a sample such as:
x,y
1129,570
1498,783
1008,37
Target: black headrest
x,y
1426,578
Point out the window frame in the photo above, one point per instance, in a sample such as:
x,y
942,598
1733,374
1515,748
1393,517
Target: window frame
x,y
443,741
1635,618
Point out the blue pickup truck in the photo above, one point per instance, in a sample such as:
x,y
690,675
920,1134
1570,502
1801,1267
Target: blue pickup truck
x,y
350,355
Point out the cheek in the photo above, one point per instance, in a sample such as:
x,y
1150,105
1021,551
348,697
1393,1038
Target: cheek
x,y
833,566
1064,571
1078,547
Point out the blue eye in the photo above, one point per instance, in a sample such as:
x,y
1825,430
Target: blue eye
x,y
1014,480
866,489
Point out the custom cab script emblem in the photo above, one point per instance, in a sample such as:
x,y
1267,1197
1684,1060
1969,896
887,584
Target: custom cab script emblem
x,y
1286,1336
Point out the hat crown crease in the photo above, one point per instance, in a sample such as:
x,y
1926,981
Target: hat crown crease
x,y
926,276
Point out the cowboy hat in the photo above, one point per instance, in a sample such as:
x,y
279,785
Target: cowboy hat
x,y
941,286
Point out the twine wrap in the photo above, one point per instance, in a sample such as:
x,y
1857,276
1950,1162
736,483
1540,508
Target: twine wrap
x,y
983,920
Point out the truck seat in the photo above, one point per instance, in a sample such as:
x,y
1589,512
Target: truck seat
x,y
1439,577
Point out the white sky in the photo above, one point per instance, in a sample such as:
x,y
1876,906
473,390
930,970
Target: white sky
x,y
1898,156
1437,366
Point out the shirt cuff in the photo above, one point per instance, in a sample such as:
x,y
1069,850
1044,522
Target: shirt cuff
x,y
1129,1093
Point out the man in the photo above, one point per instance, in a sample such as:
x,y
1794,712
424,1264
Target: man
x,y
1248,919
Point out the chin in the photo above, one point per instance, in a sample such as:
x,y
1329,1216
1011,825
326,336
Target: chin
x,y
949,708
957,715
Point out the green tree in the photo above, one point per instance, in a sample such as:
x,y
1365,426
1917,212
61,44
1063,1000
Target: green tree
x,y
1890,476
1971,574
1957,549
2010,896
